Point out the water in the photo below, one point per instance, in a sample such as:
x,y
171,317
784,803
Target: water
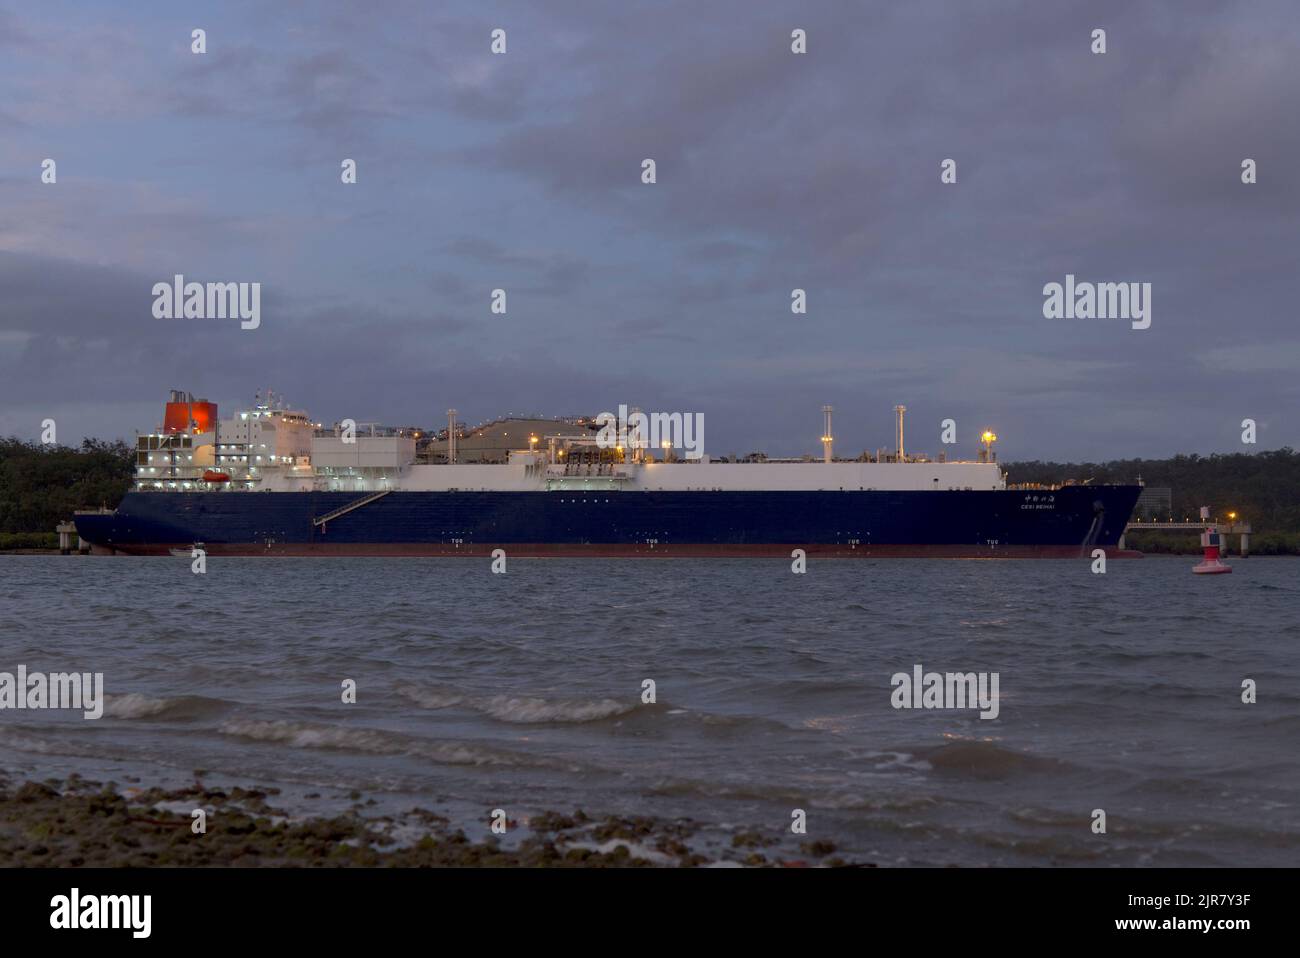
x,y
523,691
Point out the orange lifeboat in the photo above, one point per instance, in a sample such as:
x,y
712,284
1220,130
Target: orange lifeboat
x,y
213,476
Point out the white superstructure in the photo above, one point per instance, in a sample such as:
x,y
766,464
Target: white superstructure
x,y
280,450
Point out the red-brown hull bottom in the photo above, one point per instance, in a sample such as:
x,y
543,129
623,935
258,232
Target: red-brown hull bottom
x,y
602,551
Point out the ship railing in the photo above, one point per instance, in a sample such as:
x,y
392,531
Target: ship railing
x,y
593,470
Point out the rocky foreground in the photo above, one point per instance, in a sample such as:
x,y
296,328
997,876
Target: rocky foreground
x,y
79,822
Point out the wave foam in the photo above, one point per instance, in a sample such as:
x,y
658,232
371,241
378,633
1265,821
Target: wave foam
x,y
520,709
135,705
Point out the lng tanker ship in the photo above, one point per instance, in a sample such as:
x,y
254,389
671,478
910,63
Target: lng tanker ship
x,y
269,481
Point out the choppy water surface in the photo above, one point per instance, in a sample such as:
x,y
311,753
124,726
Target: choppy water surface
x,y
523,691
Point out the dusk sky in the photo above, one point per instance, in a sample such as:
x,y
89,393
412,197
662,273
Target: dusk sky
x,y
775,171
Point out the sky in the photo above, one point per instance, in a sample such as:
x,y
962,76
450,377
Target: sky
x,y
522,171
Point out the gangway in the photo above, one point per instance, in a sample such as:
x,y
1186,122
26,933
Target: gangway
x,y
345,509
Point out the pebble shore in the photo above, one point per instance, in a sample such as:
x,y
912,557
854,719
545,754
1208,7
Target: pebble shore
x,y
78,822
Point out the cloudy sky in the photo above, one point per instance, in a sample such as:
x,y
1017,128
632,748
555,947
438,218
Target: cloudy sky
x,y
522,171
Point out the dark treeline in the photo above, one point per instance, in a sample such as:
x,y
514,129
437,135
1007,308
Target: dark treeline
x,y
42,485
1263,488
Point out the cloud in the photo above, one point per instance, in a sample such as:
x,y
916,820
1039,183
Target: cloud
x,y
776,171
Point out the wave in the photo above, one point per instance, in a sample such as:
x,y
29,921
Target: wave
x,y
373,741
308,735
839,798
982,759
535,710
136,705
527,710
430,698
521,709
22,742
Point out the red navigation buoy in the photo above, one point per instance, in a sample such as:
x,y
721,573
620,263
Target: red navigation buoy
x,y
1210,564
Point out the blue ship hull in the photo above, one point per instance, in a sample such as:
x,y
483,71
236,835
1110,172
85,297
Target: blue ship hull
x,y
1069,521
